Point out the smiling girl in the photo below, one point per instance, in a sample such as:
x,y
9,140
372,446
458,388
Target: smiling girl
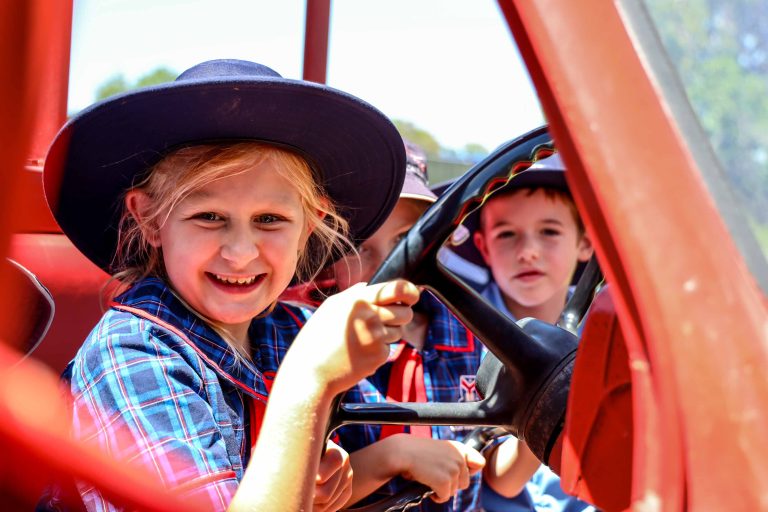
x,y
205,198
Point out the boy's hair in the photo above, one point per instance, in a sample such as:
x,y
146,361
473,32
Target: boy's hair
x,y
186,170
551,193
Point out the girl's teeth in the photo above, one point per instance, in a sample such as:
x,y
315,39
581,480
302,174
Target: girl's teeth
x,y
236,280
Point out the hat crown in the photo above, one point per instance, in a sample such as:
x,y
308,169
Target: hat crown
x,y
227,68
416,161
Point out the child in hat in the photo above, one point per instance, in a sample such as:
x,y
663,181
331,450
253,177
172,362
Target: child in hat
x,y
531,238
204,198
436,361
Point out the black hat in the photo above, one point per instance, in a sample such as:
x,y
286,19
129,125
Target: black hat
x,y
355,152
549,172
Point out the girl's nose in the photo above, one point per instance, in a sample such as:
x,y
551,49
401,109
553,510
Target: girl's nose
x,y
240,246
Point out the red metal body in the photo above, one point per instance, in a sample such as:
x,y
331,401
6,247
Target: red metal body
x,y
318,19
692,318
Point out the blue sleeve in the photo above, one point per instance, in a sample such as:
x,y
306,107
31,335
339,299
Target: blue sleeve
x,y
143,403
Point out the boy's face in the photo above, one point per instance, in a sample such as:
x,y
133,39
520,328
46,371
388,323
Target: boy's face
x,y
532,245
353,269
232,247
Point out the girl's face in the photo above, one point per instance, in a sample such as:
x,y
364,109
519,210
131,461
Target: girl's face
x,y
232,247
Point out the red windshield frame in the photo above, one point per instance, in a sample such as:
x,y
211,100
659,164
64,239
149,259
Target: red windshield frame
x,y
693,315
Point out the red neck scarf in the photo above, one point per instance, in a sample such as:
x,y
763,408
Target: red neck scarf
x,y
406,384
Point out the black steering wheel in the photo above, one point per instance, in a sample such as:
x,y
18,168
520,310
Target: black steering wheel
x,y
525,379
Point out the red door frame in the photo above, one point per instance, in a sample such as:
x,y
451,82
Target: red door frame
x,y
693,316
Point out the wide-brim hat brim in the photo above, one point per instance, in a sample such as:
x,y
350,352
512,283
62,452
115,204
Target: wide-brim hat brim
x,y
414,188
354,150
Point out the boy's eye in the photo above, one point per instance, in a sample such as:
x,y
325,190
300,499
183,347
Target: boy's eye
x,y
550,232
505,234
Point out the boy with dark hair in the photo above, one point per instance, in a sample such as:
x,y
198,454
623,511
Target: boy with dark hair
x,y
531,238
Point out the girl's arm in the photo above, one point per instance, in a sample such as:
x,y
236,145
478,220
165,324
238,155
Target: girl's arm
x,y
285,461
443,466
510,465
346,339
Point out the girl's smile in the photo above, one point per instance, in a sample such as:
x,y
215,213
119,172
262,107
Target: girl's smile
x,y
232,284
231,247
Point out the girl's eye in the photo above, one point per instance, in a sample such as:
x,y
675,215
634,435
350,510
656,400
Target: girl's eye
x,y
208,216
505,234
267,219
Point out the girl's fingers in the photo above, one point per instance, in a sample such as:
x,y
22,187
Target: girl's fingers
x,y
342,493
398,291
334,479
371,329
475,460
393,315
332,461
463,480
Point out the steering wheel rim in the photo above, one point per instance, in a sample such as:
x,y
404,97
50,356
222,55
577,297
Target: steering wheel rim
x,y
529,366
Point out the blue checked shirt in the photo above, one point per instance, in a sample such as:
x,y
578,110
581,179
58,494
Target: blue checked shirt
x,y
154,385
451,356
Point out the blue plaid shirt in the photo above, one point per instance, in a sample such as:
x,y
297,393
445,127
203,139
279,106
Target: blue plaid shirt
x,y
153,384
451,356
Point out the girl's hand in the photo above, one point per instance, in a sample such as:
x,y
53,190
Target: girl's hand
x,y
333,485
347,338
443,466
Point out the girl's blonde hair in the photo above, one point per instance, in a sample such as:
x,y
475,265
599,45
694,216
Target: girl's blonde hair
x,y
186,170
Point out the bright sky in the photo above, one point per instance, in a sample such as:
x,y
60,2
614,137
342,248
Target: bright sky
x,y
448,66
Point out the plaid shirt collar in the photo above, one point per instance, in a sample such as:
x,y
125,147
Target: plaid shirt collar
x,y
152,299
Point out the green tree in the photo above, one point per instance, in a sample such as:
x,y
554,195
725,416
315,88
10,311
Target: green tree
x,y
118,83
419,136
114,85
475,149
720,50
158,76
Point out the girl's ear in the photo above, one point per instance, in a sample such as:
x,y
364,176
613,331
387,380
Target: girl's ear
x,y
320,214
585,249
138,202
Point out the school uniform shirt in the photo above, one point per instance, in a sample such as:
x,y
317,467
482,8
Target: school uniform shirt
x,y
543,491
155,385
448,361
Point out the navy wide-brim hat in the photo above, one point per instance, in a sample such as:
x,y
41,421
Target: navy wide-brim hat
x,y
356,153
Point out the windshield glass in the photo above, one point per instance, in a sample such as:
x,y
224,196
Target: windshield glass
x,y
720,51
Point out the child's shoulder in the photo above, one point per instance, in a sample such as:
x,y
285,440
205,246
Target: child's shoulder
x,y
122,338
291,314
